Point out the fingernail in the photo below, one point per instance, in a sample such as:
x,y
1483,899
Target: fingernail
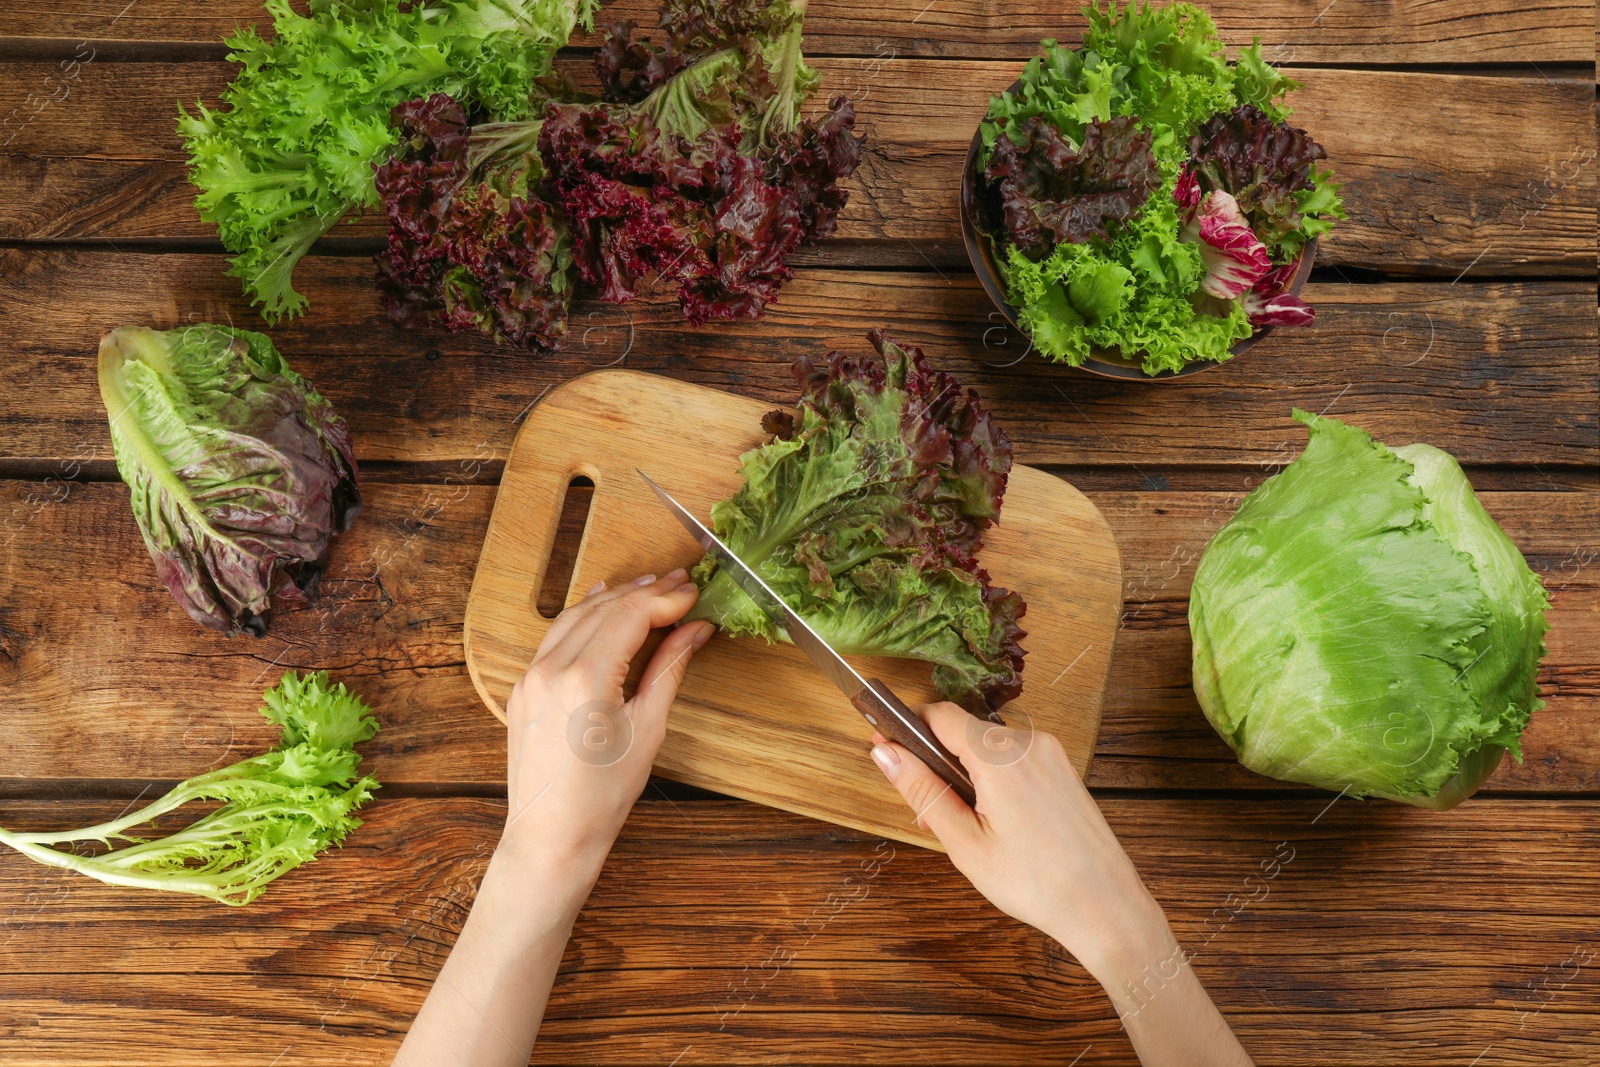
x,y
675,573
685,587
644,579
699,639
887,760
597,587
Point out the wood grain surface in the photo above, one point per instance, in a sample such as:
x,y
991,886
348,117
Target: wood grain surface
x,y
1457,305
1339,934
754,720
1506,369
1444,174
1429,31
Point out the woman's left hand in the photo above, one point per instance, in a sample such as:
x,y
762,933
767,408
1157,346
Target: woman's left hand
x,y
578,753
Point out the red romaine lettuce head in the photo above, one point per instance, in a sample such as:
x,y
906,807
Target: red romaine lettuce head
x,y
1043,191
865,512
1234,258
240,472
1261,163
472,246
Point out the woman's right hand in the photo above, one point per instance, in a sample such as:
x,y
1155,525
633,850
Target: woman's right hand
x,y
1036,846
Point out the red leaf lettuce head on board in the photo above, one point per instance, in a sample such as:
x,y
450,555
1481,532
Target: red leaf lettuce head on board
x,y
866,511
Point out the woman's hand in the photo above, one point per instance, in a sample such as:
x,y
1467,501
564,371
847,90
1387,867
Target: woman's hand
x,y
1037,847
578,754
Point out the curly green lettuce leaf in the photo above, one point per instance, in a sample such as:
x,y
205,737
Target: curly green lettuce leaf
x,y
1176,72
865,513
1259,84
1361,624
307,116
279,809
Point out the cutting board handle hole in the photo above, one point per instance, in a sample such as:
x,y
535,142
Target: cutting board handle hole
x,y
564,552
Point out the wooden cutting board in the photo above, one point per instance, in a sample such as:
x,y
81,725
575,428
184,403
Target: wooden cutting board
x,y
755,720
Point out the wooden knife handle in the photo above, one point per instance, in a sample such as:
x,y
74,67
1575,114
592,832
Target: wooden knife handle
x,y
871,703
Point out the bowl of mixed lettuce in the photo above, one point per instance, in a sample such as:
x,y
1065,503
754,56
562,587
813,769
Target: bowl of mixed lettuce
x,y
1139,205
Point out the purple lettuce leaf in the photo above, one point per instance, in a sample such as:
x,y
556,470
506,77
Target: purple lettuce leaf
x,y
1042,191
1261,163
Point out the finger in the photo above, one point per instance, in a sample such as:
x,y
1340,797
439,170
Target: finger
x,y
608,640
598,593
933,803
614,623
951,723
664,673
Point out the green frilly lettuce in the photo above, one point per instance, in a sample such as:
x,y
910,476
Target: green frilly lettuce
x,y
278,809
1363,625
307,115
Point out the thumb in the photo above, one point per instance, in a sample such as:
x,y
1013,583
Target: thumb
x,y
658,687
935,804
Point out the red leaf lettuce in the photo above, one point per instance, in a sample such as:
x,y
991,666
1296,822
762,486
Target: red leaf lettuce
x,y
865,512
695,166
1043,191
1264,164
471,244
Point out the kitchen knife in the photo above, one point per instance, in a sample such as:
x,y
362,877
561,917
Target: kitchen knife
x,y
875,701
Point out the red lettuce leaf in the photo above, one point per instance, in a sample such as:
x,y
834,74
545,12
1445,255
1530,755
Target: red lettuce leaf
x,y
866,513
471,246
1042,191
1261,163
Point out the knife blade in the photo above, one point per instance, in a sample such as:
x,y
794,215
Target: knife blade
x,y
876,702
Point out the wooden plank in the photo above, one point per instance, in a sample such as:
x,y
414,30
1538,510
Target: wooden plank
x,y
1436,31
107,678
1444,173
1386,935
746,708
1506,371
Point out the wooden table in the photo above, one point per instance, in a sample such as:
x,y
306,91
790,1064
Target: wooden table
x,y
1456,306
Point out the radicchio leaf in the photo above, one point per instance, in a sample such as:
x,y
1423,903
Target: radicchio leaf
x,y
1269,302
1234,258
1262,163
1042,191
866,511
